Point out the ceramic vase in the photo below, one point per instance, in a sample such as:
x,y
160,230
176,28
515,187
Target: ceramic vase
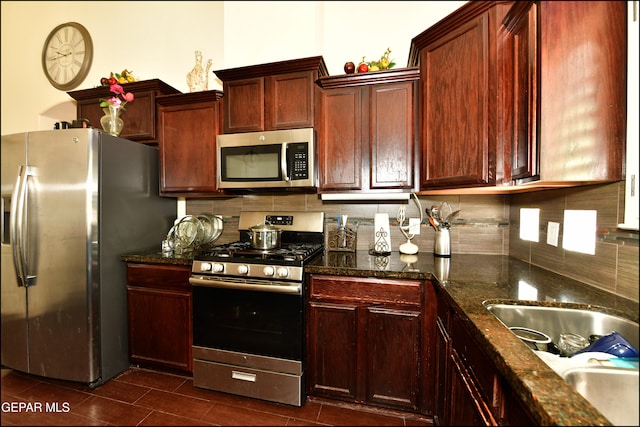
x,y
111,121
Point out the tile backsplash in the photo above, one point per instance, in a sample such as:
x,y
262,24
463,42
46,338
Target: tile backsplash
x,y
481,227
614,267
487,224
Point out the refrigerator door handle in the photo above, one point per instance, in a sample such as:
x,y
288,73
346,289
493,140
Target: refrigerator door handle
x,y
18,228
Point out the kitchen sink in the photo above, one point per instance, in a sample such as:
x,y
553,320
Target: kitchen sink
x,y
554,321
613,391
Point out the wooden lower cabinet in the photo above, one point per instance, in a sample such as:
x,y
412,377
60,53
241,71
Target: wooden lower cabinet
x,y
159,314
467,407
442,389
469,389
365,341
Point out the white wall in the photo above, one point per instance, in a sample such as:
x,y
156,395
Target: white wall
x,y
158,40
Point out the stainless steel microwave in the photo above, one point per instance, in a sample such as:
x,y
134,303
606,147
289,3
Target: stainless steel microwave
x,y
270,159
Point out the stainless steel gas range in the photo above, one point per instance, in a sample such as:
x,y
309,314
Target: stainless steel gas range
x,y
248,309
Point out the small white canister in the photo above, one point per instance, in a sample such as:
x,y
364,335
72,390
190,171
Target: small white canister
x,y
381,234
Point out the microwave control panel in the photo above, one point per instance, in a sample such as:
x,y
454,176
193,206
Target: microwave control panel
x,y
298,160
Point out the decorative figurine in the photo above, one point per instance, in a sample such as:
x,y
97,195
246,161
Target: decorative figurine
x,y
198,78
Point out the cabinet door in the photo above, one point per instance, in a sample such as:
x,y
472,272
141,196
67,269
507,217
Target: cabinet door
x,y
289,99
391,135
160,328
139,116
341,157
244,105
467,406
159,315
332,350
458,143
520,92
583,90
443,389
516,412
187,146
392,355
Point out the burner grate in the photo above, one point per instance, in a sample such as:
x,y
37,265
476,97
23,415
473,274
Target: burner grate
x,y
238,251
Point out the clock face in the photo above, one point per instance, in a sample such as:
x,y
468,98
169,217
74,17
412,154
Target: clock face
x,y
67,55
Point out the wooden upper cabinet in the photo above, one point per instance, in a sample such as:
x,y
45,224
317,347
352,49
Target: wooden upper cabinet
x,y
340,151
391,135
245,112
273,96
458,60
188,126
583,48
523,92
519,94
367,131
140,122
289,100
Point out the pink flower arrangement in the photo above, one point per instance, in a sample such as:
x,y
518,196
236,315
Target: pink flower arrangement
x,y
115,100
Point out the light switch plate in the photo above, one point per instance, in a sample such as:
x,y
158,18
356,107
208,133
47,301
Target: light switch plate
x,y
414,226
553,230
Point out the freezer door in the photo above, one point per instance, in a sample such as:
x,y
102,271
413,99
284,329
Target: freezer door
x,y
13,299
63,296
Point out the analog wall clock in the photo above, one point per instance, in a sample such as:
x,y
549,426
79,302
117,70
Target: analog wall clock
x,y
66,55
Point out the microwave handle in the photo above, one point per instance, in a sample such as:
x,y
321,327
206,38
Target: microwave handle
x,y
284,160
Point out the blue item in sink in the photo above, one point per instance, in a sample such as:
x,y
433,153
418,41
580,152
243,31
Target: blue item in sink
x,y
613,343
625,362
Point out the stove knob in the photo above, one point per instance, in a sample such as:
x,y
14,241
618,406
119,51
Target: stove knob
x,y
269,271
243,269
205,266
218,268
283,272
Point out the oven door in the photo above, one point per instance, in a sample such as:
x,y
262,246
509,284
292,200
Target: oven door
x,y
248,321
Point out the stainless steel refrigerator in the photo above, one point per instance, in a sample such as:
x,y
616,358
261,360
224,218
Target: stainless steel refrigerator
x,y
73,202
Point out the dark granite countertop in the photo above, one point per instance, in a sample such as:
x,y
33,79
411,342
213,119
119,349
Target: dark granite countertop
x,y
154,256
470,280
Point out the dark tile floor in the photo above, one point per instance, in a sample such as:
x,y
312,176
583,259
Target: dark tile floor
x,y
141,397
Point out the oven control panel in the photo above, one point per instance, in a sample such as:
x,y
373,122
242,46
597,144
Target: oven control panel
x,y
257,271
279,219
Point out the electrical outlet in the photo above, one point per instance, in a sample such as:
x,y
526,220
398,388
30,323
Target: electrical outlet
x,y
553,229
414,226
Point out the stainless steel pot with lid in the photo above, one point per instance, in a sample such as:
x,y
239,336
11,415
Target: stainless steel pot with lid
x,y
265,236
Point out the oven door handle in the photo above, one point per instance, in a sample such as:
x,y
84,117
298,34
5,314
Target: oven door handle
x,y
275,287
